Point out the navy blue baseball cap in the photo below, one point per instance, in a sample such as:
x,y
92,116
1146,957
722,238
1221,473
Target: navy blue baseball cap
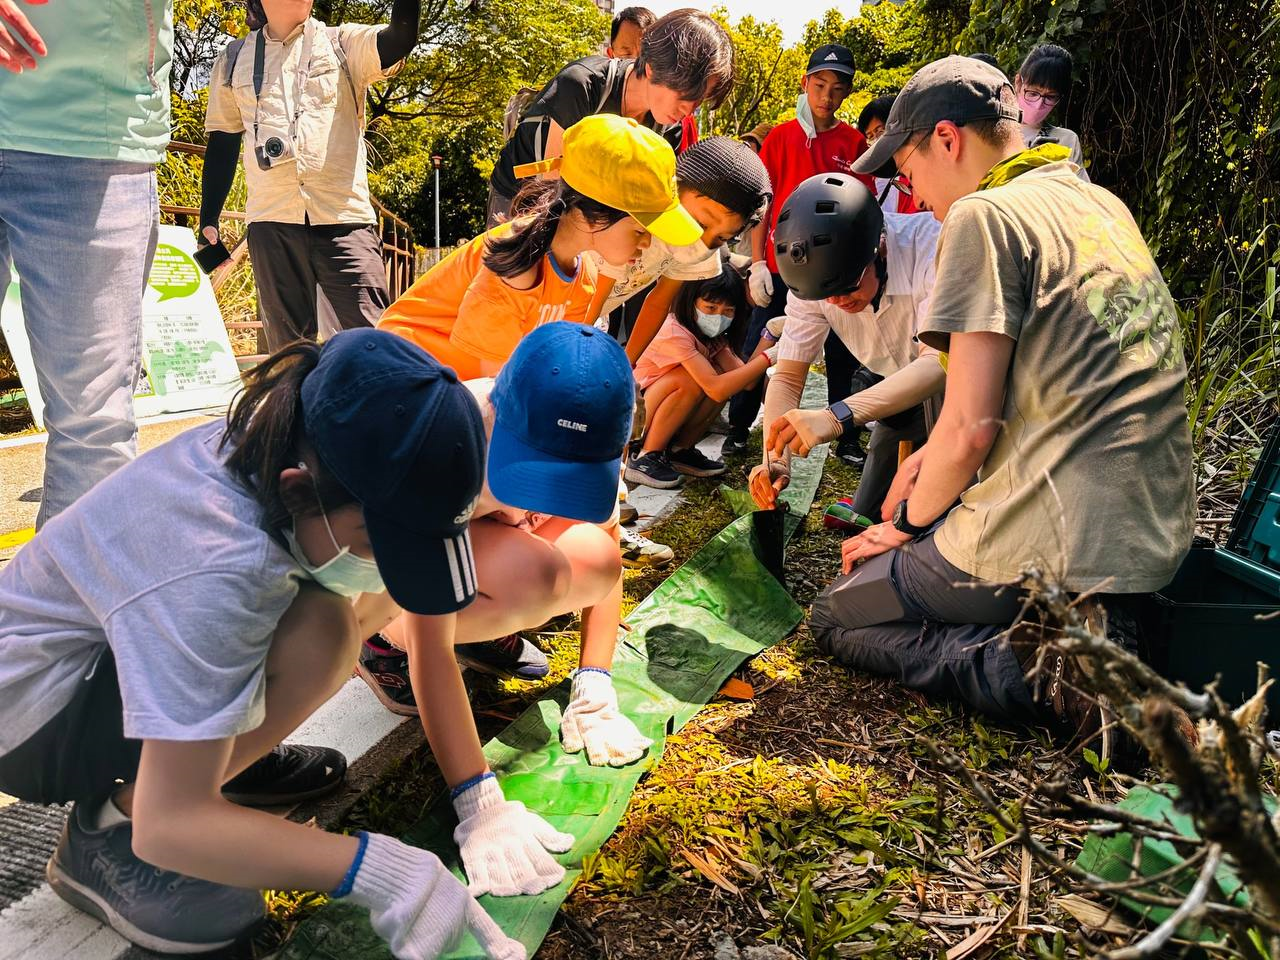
x,y
406,439
562,416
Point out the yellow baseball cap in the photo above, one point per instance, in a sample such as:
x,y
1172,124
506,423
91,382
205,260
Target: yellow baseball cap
x,y
615,161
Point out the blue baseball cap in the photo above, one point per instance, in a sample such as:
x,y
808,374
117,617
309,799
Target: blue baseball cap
x,y
562,406
397,429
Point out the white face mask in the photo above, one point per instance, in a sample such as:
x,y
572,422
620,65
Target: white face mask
x,y
711,325
346,574
805,115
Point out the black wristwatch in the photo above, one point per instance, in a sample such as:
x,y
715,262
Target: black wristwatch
x,y
840,410
903,525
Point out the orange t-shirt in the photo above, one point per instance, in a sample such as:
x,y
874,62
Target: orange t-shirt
x,y
463,314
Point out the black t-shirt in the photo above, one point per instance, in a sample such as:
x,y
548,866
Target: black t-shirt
x,y
585,87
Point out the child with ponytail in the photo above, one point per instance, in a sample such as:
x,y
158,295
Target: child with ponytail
x,y
188,613
614,185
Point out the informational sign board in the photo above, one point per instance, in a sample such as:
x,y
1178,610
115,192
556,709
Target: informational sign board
x,y
187,363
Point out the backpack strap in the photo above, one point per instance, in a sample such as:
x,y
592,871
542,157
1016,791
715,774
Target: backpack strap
x,y
544,120
233,54
336,43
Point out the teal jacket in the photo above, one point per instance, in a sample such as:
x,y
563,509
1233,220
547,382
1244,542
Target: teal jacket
x,y
103,90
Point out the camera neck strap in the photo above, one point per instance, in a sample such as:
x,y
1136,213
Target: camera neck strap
x,y
300,75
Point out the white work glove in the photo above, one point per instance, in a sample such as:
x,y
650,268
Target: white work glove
x,y
593,720
802,430
760,283
772,354
504,846
419,907
775,327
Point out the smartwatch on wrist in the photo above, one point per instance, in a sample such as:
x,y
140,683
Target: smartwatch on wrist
x,y
844,416
903,525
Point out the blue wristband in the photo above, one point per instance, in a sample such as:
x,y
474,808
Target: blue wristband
x,y
595,670
349,880
466,785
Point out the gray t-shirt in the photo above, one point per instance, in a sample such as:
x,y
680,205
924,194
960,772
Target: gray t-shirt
x,y
1090,479
167,563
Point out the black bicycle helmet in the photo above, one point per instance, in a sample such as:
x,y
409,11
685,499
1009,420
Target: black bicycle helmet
x,y
827,232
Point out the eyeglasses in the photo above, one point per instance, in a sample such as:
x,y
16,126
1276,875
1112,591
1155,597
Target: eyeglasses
x,y
901,184
1035,96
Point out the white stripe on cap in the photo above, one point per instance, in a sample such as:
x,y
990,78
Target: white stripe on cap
x,y
469,566
455,570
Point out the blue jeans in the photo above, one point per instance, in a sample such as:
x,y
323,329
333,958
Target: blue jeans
x,y
81,234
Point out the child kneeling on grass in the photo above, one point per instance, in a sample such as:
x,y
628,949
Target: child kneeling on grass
x,y
688,373
169,639
544,539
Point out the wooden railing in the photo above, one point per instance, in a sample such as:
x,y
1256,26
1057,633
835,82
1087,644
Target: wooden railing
x,y
398,251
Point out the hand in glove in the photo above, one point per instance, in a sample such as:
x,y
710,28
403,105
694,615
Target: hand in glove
x,y
802,430
419,907
772,354
767,481
504,846
760,283
593,720
773,329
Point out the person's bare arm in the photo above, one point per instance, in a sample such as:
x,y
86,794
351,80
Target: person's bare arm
x,y
720,387
217,840
651,317
443,704
604,287
968,425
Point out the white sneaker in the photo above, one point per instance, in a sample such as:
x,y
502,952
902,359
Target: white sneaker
x,y
638,551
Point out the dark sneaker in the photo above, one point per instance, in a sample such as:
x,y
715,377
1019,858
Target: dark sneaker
x,y
627,513
512,657
386,670
97,872
735,442
850,451
639,552
288,774
653,470
694,463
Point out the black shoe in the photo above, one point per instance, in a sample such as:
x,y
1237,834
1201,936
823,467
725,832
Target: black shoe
x,y
851,452
694,463
627,513
288,774
97,871
386,670
736,442
512,657
653,470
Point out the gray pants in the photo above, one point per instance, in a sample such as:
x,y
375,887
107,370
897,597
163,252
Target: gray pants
x,y
290,260
882,458
910,615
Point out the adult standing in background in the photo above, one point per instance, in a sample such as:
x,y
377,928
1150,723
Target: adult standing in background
x,y
297,89
628,28
84,119
1042,82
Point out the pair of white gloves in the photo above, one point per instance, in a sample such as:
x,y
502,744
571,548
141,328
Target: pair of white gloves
x,y
422,910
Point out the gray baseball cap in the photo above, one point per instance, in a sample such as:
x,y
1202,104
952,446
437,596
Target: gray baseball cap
x,y
959,89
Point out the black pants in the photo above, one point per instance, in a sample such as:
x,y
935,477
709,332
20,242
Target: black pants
x,y
882,458
82,751
841,367
910,615
290,260
744,406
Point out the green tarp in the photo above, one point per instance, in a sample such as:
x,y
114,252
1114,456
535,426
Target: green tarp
x,y
685,639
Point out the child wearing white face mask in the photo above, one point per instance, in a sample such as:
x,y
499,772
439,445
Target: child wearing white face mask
x,y
688,373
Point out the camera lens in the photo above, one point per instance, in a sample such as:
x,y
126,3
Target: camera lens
x,y
273,148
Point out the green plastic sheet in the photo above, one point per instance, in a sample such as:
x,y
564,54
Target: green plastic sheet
x,y
684,640
1112,857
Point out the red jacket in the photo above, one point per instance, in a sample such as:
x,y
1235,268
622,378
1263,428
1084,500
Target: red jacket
x,y
791,160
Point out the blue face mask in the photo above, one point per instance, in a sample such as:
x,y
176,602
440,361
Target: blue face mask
x,y
711,325
805,116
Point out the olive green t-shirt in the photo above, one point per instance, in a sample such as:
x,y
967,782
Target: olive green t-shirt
x,y
1089,480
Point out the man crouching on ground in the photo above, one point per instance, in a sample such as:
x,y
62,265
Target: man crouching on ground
x,y
1078,437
